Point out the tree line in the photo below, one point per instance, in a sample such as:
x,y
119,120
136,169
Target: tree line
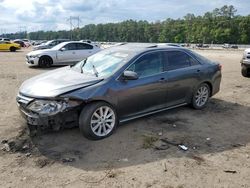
x,y
221,25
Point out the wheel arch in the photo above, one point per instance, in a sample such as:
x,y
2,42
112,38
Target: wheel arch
x,y
100,100
209,84
210,87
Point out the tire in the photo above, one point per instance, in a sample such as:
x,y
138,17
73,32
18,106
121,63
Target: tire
x,y
245,72
12,49
45,62
96,129
201,96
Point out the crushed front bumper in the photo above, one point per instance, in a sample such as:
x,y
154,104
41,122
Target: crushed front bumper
x,y
66,119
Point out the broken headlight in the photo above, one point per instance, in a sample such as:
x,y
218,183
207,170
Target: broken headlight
x,y
51,107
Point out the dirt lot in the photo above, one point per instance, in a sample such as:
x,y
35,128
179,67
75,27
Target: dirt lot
x,y
218,139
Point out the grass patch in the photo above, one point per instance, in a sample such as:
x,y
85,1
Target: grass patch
x,y
148,141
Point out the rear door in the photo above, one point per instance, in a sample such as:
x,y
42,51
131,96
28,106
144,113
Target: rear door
x,y
147,93
83,51
183,75
68,55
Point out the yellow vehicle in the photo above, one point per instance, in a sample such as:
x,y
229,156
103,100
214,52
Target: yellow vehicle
x,y
10,46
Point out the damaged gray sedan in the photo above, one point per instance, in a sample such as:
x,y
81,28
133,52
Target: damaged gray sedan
x,y
116,85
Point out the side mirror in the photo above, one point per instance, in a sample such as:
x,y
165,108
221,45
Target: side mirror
x,y
130,75
62,49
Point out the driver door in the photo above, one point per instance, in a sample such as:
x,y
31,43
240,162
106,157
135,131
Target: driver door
x,y
4,45
148,93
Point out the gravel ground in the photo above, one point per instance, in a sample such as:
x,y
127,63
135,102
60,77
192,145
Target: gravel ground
x,y
218,139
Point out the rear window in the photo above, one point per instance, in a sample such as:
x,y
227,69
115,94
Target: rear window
x,y
199,57
82,46
177,60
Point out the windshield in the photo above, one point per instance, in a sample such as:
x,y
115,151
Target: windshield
x,y
102,64
59,46
47,43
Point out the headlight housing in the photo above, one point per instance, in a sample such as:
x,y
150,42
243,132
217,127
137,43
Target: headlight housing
x,y
34,56
51,107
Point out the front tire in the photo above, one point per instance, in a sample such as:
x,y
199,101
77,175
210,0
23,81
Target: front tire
x,y
98,120
201,96
245,72
12,49
45,62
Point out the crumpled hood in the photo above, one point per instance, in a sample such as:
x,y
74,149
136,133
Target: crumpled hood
x,y
57,82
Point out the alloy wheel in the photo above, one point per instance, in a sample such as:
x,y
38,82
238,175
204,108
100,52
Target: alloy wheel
x,y
103,121
201,96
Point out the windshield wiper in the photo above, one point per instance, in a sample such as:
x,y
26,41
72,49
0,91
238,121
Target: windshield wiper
x,y
82,65
93,66
95,71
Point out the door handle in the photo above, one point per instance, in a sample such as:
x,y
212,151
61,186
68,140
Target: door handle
x,y
198,70
161,80
73,53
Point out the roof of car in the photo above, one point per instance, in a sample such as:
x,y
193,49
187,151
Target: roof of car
x,y
68,42
143,47
61,39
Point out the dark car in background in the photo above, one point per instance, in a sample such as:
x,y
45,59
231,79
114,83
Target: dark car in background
x,y
20,42
116,85
49,44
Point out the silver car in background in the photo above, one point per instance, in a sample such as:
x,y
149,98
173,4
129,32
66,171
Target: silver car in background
x,y
66,53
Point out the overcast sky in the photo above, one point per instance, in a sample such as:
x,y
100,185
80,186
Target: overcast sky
x,y
53,14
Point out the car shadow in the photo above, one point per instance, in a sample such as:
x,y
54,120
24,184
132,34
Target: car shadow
x,y
48,68
211,130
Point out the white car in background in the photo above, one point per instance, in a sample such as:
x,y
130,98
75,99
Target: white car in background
x,y
62,54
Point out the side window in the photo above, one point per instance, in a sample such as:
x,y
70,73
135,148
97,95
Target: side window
x,y
147,65
71,46
193,61
81,46
178,60
53,43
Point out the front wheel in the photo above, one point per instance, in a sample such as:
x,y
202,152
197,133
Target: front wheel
x,y
245,72
97,120
12,49
45,62
201,96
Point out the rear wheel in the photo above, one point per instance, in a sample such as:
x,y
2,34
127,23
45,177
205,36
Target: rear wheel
x,y
45,62
98,120
201,96
12,49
